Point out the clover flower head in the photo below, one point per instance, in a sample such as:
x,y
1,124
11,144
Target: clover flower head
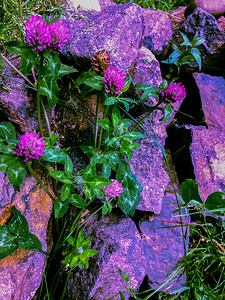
x,y
114,189
41,36
133,283
37,34
30,146
114,80
174,92
101,61
59,34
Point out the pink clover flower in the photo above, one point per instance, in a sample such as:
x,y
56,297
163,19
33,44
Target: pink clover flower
x,y
114,189
114,80
30,146
175,92
41,36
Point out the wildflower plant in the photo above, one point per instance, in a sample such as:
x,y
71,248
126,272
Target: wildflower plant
x,y
185,53
108,175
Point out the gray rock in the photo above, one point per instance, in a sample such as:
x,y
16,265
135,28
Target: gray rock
x,y
163,247
117,29
21,272
215,7
92,5
157,30
16,103
208,144
120,247
206,26
211,89
146,68
146,164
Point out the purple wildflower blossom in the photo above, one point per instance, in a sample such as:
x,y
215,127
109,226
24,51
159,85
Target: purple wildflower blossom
x,y
101,61
114,189
41,36
30,146
175,92
114,80
133,283
59,34
37,33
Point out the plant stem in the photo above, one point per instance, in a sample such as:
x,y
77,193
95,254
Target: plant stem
x,y
21,74
29,87
39,96
96,120
39,181
20,10
100,135
46,118
116,294
147,115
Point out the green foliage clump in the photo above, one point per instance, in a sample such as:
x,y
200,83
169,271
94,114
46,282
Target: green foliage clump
x,y
164,5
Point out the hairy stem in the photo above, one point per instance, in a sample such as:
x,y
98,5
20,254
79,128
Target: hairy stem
x,y
39,96
151,109
100,135
21,74
39,181
96,120
46,118
20,10
116,294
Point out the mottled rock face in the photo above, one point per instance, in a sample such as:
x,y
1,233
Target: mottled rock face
x,y
15,100
146,164
155,22
120,247
212,95
117,29
21,272
215,7
145,68
208,144
163,247
207,28
120,29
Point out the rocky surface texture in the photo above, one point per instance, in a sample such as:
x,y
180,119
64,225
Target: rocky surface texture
x,y
207,147
216,7
136,39
21,272
207,27
120,247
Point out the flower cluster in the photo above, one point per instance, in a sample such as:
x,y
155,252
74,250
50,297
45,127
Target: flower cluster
x,y
114,189
133,283
175,92
41,36
101,61
114,80
30,146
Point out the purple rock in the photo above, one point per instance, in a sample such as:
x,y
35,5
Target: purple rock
x,y
120,247
16,103
21,272
157,31
163,247
146,164
208,144
206,26
117,29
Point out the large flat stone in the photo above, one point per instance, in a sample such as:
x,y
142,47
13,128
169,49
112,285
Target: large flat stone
x,y
21,272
